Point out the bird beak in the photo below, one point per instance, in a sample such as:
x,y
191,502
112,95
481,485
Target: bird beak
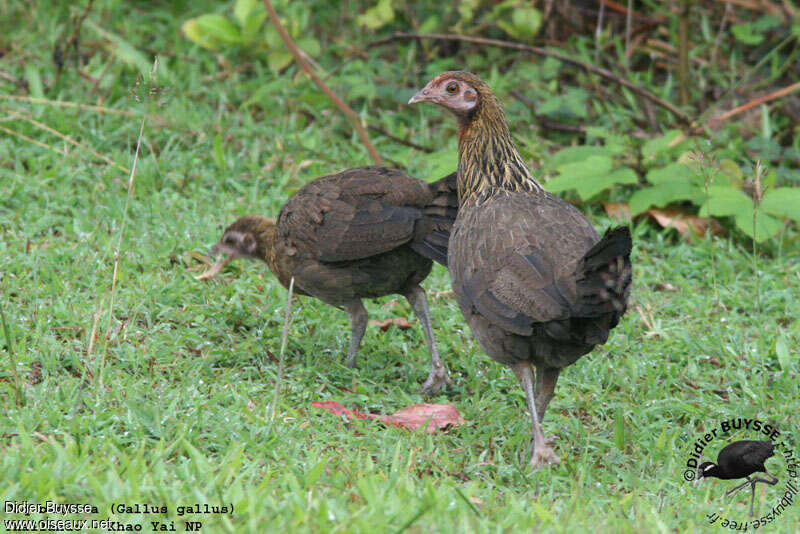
x,y
216,268
697,481
423,95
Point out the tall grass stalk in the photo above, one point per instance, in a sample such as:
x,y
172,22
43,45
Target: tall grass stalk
x,y
118,246
287,319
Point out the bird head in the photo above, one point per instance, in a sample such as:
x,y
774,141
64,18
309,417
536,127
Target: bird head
x,y
460,92
703,470
242,239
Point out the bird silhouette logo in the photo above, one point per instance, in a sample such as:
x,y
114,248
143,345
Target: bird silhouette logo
x,y
737,460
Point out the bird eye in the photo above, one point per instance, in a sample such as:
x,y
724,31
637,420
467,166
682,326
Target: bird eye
x,y
452,88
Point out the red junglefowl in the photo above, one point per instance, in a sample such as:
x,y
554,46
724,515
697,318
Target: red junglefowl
x,y
536,284
362,233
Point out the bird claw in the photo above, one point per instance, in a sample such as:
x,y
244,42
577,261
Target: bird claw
x,y
543,456
436,379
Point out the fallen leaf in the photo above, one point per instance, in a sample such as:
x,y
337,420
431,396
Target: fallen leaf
x,y
685,223
434,416
619,211
713,361
400,322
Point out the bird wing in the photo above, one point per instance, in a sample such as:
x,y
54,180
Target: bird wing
x,y
355,214
518,255
755,453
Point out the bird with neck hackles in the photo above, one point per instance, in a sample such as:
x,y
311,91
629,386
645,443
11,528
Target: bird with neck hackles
x,y
537,285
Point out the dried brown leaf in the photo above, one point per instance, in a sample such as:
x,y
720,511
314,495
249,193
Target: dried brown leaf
x,y
433,416
685,223
619,211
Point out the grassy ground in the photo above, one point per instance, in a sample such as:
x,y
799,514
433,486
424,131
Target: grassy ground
x,y
165,398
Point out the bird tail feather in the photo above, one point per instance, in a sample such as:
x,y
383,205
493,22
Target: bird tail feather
x,y
433,231
606,277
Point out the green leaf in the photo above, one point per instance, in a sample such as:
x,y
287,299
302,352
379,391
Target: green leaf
x,y
782,350
278,59
377,16
766,225
242,10
309,45
662,194
599,164
783,201
252,25
577,153
524,24
34,80
313,474
724,201
674,172
219,152
210,30
442,162
600,182
730,172
619,429
745,33
657,145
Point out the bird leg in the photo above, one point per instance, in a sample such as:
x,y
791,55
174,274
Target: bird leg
x,y
546,379
358,325
737,488
438,376
542,452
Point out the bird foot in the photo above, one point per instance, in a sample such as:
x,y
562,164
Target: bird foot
x,y
543,456
437,378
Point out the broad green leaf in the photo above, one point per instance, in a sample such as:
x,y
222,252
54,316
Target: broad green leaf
x,y
252,25
782,350
674,172
377,16
593,165
730,172
243,9
592,185
524,24
442,162
309,45
783,201
278,59
724,201
210,30
766,226
577,153
662,194
660,144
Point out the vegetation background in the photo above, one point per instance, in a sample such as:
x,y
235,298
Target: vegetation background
x,y
124,380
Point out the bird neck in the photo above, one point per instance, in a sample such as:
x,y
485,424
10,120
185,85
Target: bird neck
x,y
488,160
713,471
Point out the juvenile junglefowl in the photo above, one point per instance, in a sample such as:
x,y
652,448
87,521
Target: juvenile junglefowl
x,y
362,233
536,284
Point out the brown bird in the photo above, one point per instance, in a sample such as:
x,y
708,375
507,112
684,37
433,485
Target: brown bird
x,y
536,284
362,233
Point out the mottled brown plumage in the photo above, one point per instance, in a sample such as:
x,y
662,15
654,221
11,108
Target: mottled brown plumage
x,y
362,233
536,284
